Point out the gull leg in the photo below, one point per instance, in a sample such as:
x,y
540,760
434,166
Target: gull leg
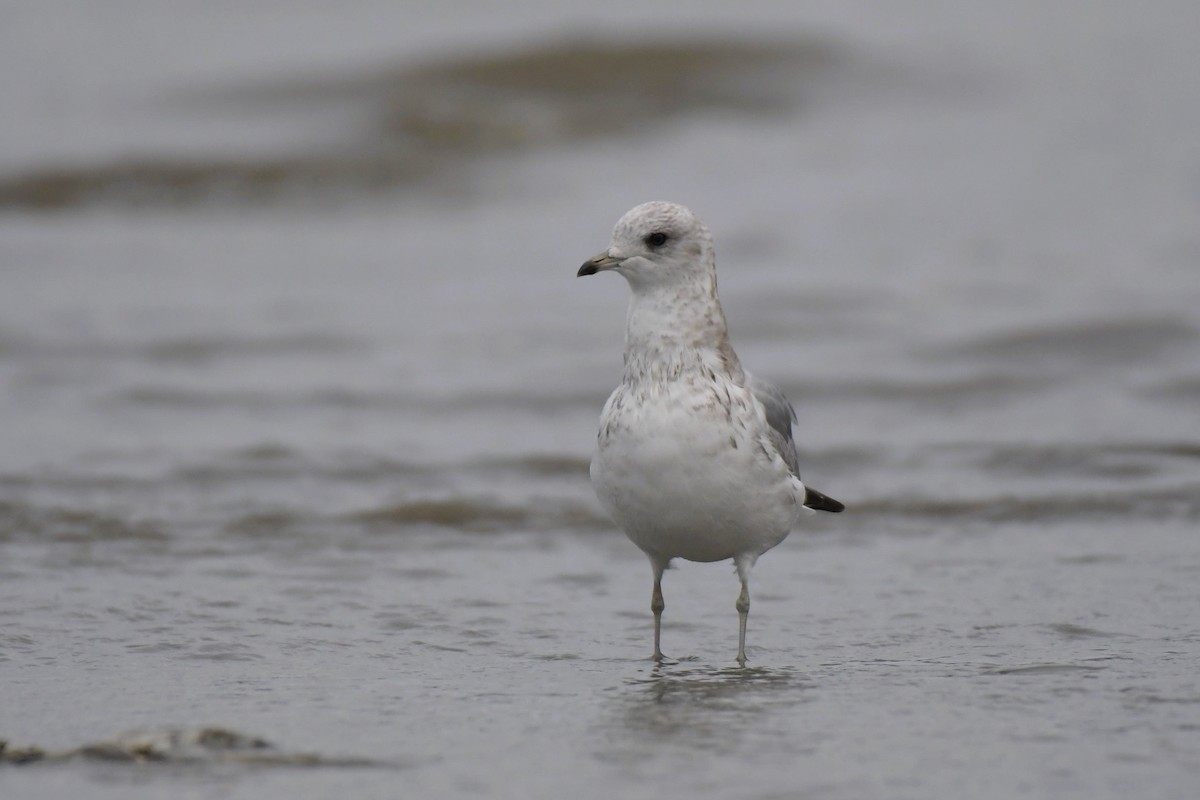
x,y
743,607
657,605
743,564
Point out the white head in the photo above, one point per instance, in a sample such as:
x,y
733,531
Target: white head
x,y
658,245
666,254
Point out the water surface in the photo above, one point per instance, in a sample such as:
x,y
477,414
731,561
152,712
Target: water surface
x,y
299,393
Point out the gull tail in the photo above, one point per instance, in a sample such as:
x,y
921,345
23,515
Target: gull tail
x,y
821,502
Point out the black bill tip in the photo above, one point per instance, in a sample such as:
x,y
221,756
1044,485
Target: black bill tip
x,y
588,268
819,501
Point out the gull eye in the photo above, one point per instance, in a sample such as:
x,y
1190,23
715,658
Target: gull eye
x,y
656,239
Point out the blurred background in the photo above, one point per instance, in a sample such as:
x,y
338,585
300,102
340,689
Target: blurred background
x,y
298,389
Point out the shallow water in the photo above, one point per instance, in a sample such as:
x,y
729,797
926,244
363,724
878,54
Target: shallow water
x,y
298,448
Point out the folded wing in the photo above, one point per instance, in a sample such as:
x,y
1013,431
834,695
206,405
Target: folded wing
x,y
780,416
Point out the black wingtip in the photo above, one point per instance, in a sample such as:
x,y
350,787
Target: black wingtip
x,y
821,502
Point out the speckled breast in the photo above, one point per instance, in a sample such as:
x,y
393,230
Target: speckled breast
x,y
687,473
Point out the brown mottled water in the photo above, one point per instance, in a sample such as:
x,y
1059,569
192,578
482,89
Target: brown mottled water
x,y
298,392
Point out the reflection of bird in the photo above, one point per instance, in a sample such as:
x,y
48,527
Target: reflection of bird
x,y
695,457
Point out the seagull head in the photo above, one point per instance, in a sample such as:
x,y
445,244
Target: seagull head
x,y
655,245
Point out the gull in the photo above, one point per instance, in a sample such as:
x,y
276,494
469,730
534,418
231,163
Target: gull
x,y
695,457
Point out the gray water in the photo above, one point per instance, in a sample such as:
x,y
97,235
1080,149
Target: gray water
x,y
298,394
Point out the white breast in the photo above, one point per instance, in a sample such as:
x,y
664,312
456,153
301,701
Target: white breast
x,y
686,470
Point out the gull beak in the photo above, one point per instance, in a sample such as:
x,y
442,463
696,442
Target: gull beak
x,y
605,260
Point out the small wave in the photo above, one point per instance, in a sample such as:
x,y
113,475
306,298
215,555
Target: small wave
x,y
1181,389
928,393
543,465
1043,669
1149,698
1087,343
209,348
223,651
1069,630
432,117
72,525
193,746
279,462
1174,503
187,349
196,398
1116,460
264,524
482,516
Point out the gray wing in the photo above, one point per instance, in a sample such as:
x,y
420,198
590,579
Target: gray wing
x,y
780,416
